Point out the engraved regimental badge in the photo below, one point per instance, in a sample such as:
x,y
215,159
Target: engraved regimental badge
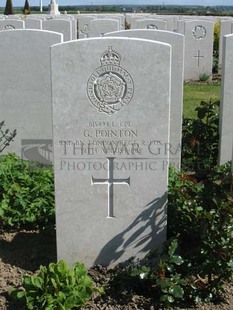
x,y
199,32
110,87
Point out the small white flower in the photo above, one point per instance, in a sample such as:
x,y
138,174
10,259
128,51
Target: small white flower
x,y
142,275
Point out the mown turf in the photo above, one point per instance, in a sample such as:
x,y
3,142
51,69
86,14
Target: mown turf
x,y
194,93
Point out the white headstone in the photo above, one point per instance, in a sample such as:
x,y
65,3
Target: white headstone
x,y
110,134
226,27
84,26
226,108
198,59
25,89
151,24
33,23
59,25
10,24
177,77
98,27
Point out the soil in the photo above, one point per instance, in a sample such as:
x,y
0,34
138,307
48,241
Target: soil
x,y
23,252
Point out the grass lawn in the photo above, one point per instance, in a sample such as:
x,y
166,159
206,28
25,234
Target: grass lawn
x,y
196,92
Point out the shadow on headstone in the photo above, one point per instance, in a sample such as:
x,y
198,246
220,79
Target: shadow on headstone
x,y
116,247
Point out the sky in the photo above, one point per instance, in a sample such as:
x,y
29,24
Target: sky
x,y
114,2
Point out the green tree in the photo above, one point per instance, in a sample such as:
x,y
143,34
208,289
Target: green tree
x,y
26,9
9,8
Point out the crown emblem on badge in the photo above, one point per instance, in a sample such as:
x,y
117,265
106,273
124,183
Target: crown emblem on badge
x,y
110,57
110,87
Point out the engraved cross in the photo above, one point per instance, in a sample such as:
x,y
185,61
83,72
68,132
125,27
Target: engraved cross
x,y
110,181
198,57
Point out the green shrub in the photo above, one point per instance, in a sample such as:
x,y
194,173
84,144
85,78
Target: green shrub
x,y
200,216
216,37
200,225
26,193
204,77
165,278
200,138
56,288
5,136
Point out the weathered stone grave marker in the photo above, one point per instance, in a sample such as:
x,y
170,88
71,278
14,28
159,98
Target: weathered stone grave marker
x,y
10,24
25,89
226,109
111,130
198,49
98,27
177,78
59,25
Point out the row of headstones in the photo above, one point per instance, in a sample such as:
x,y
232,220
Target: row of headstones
x,y
198,34
110,133
117,111
67,27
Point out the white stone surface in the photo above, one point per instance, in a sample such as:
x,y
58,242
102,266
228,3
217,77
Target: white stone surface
x,y
9,24
98,27
33,23
110,116
84,26
226,27
59,25
25,88
177,77
198,49
151,24
53,8
226,109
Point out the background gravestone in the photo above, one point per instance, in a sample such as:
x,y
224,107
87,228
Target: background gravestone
x,y
33,23
59,25
110,134
25,89
9,24
151,24
73,24
84,26
177,77
98,27
226,27
198,59
226,110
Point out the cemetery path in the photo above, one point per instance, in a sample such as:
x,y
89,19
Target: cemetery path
x,y
24,251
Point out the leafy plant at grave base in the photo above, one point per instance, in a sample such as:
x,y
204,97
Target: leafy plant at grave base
x,y
165,278
215,64
26,193
56,287
200,219
200,216
5,136
200,138
204,77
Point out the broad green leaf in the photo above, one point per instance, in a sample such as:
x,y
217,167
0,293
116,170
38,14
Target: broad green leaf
x,y
170,298
176,291
172,247
62,267
70,302
178,260
38,282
